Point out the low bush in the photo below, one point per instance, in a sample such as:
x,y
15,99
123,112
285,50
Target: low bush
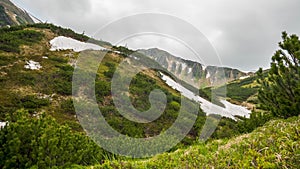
x,y
10,41
43,143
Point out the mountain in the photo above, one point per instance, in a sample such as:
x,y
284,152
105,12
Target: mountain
x,y
192,72
10,15
40,127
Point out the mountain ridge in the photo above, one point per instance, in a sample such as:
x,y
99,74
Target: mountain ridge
x,y
11,15
195,73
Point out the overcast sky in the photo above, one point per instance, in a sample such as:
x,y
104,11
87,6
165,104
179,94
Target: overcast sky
x,y
244,33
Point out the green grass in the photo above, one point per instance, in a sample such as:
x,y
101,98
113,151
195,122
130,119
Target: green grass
x,y
275,145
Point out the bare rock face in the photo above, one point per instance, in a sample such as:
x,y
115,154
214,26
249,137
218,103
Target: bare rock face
x,y
11,15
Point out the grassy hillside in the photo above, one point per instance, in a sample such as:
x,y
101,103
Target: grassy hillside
x,y
49,91
50,88
275,145
45,124
241,91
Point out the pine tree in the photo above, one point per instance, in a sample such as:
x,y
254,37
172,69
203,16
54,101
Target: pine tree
x,y
280,90
43,143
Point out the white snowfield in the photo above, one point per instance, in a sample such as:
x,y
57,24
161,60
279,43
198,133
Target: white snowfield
x,y
244,77
32,65
64,43
3,124
229,111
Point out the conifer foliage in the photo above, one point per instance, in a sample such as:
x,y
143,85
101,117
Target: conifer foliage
x,y
40,142
280,90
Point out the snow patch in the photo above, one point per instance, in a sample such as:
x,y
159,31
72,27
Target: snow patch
x,y
244,77
184,66
229,111
64,43
3,124
32,65
117,52
135,58
207,75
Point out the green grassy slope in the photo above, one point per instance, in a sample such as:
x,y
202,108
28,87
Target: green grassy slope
x,y
275,145
242,91
50,88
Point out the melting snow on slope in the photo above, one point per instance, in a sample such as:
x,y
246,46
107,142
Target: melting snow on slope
x,y
204,67
3,124
135,58
64,43
117,52
244,77
32,65
207,75
229,111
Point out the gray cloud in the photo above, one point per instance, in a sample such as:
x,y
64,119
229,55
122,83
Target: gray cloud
x,y
245,33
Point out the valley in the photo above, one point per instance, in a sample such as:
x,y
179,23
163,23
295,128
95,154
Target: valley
x,y
71,101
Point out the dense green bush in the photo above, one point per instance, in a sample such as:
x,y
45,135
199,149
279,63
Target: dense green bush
x,y
280,91
10,41
228,128
58,59
102,88
27,78
237,91
257,119
63,80
111,69
66,106
14,101
32,102
4,60
41,142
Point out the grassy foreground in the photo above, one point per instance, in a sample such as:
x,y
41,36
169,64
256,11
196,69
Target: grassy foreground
x,y
275,145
